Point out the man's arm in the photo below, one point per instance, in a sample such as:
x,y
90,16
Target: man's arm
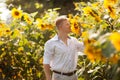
x,y
47,57
47,71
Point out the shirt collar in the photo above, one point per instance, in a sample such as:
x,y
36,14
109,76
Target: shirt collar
x,y
57,38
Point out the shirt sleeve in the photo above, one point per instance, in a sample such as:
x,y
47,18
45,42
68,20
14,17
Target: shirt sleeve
x,y
79,45
48,53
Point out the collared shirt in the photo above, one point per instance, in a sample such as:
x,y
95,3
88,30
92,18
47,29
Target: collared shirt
x,y
62,57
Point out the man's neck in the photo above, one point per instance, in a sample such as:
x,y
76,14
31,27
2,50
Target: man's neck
x,y
63,37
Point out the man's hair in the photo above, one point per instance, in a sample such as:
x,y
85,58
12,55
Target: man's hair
x,y
60,20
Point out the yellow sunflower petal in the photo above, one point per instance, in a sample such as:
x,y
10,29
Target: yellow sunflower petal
x,y
16,13
115,39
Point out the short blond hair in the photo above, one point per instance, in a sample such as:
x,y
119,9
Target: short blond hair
x,y
60,20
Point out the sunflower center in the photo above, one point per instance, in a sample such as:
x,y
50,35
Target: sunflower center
x,y
42,26
17,13
110,8
28,19
7,30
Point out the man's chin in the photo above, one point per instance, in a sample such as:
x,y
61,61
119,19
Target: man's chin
x,y
70,31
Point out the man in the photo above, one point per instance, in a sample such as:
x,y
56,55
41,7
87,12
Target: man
x,y
60,55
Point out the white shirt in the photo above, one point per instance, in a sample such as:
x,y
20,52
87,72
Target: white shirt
x,y
62,57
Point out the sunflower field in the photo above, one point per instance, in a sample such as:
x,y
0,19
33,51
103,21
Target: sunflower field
x,y
23,36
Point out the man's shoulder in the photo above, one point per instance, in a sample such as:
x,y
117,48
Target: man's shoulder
x,y
50,41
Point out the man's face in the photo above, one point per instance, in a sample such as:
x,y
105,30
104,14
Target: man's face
x,y
65,27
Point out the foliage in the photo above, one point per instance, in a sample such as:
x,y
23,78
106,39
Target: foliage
x,y
102,32
100,24
22,41
21,45
97,71
30,6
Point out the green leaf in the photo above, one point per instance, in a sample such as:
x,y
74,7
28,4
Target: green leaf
x,y
108,49
81,78
56,9
117,25
34,14
1,42
38,5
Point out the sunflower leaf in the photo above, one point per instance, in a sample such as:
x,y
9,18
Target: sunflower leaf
x,y
34,14
107,52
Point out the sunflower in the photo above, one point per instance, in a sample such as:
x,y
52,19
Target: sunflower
x,y
1,33
113,1
41,60
1,29
109,5
83,25
97,18
94,54
87,10
75,28
20,49
49,26
16,33
96,4
106,3
111,11
7,31
28,19
40,24
75,25
115,40
2,25
85,34
109,2
76,6
16,13
70,16
43,27
112,14
114,59
89,41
